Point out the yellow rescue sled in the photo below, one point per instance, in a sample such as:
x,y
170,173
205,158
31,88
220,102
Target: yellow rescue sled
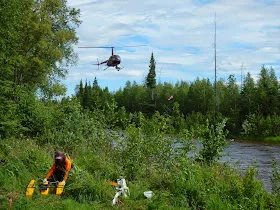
x,y
45,188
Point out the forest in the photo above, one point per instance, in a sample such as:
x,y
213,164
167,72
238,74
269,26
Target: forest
x,y
252,110
143,132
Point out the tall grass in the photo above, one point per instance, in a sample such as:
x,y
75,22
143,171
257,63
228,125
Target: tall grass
x,y
178,182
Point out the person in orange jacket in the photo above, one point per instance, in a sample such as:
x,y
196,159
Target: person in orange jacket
x,y
60,168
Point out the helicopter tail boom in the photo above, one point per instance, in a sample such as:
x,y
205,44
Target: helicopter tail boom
x,y
98,64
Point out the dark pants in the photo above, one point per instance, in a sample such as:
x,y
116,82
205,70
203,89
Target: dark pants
x,y
58,175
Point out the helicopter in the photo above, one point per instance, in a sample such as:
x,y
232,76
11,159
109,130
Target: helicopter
x,y
113,61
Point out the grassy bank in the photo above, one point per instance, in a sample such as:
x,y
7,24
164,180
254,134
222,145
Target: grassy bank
x,y
182,184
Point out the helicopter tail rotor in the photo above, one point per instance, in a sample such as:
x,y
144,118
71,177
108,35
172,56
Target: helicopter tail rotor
x,y
97,64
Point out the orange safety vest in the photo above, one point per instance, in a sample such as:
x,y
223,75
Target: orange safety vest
x,y
67,167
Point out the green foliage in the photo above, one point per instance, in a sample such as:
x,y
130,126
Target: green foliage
x,y
231,97
195,120
39,37
84,189
267,92
275,178
72,125
109,110
52,89
200,96
217,187
124,118
33,115
150,163
177,119
250,182
151,77
254,195
21,161
235,103
92,97
181,91
9,124
36,51
213,141
247,97
259,126
147,144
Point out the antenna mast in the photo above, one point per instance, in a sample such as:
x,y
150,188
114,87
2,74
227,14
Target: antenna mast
x,y
215,53
241,77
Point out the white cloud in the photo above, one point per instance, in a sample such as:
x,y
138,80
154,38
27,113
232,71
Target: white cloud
x,y
181,36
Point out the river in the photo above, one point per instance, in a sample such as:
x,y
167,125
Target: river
x,y
246,153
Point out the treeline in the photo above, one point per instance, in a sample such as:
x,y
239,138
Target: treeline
x,y
252,109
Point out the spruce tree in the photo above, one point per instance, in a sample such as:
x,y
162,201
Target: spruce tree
x,y
267,90
247,97
151,77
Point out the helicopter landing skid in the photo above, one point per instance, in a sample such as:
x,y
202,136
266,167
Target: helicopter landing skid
x,y
106,68
118,68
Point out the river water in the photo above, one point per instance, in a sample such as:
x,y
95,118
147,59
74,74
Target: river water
x,y
247,153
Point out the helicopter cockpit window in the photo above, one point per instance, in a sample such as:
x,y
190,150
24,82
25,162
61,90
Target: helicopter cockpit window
x,y
116,57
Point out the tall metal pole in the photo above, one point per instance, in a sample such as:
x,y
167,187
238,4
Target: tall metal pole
x,y
215,53
241,77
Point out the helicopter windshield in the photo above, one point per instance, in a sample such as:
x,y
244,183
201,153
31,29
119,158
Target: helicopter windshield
x,y
116,57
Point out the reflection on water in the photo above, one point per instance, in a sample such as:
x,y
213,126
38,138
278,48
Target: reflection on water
x,y
248,153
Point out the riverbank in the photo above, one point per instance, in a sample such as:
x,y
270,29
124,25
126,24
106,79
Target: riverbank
x,y
256,139
257,154
182,183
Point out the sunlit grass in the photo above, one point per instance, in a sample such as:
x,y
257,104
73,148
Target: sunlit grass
x,y
181,184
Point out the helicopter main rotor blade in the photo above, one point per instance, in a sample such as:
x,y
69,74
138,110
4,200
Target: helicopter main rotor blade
x,y
140,45
96,47
115,47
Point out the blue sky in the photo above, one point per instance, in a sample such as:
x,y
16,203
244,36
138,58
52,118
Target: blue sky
x,y
180,33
